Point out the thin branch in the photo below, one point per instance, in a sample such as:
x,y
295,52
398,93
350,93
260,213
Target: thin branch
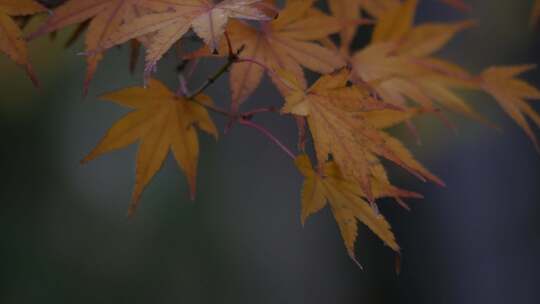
x,y
270,109
234,116
268,134
211,79
233,57
229,43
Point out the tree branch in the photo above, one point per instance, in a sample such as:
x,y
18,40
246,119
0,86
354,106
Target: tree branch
x,y
233,57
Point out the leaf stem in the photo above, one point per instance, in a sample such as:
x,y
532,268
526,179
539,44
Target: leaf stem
x,y
270,109
233,115
268,134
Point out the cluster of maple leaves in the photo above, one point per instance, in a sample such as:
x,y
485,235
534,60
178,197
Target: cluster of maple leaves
x,y
360,93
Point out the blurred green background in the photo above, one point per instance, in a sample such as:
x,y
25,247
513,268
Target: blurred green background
x,y
64,234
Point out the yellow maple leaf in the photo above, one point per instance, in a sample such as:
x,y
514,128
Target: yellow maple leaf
x,y
349,11
333,112
11,38
511,94
160,122
387,118
346,202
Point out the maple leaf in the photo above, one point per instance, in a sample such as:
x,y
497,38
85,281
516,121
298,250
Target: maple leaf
x,y
511,94
350,10
346,202
283,43
11,37
345,10
387,118
175,17
332,109
160,122
105,17
399,62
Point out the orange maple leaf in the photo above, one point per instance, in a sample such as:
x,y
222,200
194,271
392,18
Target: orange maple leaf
x,y
11,37
346,202
160,122
332,109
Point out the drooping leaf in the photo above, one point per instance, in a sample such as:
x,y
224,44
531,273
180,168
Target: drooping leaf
x,y
346,202
11,38
161,121
333,112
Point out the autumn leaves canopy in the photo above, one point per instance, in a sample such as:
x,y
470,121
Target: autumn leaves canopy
x,y
360,93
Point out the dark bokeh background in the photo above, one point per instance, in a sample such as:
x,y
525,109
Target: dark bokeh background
x,y
64,236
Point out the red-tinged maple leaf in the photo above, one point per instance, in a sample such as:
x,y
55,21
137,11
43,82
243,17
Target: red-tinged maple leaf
x,y
346,202
161,121
175,17
11,37
332,109
105,18
283,43
511,94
